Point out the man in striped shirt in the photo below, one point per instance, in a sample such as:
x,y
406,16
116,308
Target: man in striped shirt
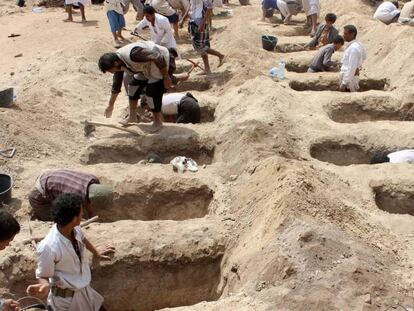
x,y
51,184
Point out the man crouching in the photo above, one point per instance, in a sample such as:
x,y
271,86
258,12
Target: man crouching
x,y
62,266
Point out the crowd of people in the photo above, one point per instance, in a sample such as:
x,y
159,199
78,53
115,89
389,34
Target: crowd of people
x,y
147,70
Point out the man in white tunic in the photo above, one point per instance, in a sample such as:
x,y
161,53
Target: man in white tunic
x,y
159,26
312,10
387,12
352,60
402,156
407,14
62,268
178,108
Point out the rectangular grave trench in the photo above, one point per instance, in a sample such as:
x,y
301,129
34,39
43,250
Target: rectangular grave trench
x,y
133,150
147,286
340,153
394,200
159,200
368,109
333,85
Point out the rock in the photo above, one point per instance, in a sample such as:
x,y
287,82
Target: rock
x,y
233,177
18,55
367,298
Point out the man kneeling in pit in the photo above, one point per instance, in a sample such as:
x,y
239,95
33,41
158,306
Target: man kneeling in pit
x,y
63,270
177,107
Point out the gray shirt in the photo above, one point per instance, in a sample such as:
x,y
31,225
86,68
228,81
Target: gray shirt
x,y
322,60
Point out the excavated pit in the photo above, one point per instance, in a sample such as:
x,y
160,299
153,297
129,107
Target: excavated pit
x,y
134,149
369,109
394,201
333,85
341,154
293,66
159,200
290,47
156,264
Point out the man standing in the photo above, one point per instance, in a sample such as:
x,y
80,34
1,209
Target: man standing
x,y
268,7
352,60
387,12
407,14
322,60
145,65
69,8
312,10
200,12
51,184
9,227
178,107
63,270
159,26
164,8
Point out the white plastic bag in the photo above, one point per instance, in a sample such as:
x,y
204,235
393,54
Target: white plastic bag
x,y
182,164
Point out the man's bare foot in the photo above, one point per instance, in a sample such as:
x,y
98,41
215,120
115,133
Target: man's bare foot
x,y
68,20
127,120
121,37
84,20
222,59
117,44
155,127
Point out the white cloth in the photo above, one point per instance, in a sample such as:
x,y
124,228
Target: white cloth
x,y
386,12
58,261
311,7
407,14
402,156
83,2
283,7
170,103
352,59
161,32
196,9
182,5
114,5
85,299
162,7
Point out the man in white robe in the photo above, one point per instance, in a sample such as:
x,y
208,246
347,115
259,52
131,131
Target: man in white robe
x,y
352,60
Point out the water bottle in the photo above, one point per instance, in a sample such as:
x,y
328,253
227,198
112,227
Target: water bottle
x,y
274,72
281,70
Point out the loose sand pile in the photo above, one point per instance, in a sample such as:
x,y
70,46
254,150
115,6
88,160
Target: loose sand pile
x,y
284,213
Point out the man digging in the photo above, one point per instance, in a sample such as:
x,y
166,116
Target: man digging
x,y
143,66
53,183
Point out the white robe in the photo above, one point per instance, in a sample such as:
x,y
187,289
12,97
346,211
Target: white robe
x,y
352,60
311,7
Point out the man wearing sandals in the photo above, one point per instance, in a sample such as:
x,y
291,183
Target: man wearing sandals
x,y
63,269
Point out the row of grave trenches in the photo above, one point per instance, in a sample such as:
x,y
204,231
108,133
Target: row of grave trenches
x,y
157,264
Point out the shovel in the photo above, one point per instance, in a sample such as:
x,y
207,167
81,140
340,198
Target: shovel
x,y
89,127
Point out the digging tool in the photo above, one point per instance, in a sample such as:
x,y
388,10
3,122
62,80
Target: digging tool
x,y
89,127
134,33
195,64
34,240
89,221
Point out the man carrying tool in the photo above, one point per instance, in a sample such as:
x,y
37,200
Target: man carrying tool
x,y
9,227
178,107
51,184
159,26
63,270
200,12
143,65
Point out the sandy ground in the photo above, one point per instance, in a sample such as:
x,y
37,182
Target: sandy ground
x,y
291,215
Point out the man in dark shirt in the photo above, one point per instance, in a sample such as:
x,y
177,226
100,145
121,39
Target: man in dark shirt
x,y
143,66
